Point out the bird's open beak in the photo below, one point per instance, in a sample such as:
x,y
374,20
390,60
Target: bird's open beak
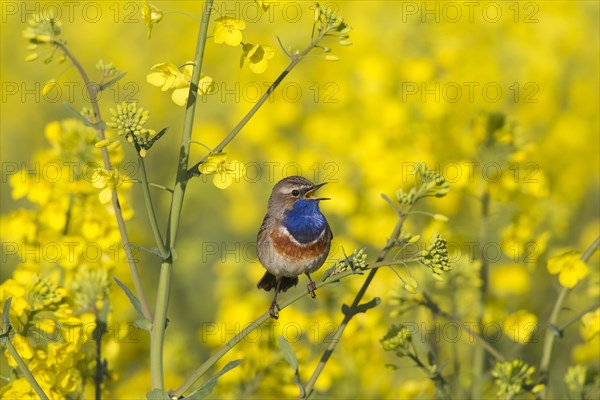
x,y
309,194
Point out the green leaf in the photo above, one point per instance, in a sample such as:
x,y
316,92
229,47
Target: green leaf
x,y
361,308
112,81
208,386
430,358
156,137
134,301
157,394
288,353
143,324
5,320
327,273
290,357
5,311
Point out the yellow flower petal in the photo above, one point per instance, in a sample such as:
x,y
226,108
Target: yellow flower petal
x,y
164,75
235,169
555,264
105,195
48,86
259,67
205,86
572,274
102,143
180,96
222,180
208,168
256,56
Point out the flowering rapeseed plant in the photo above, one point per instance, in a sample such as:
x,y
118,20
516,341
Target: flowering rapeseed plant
x,y
57,304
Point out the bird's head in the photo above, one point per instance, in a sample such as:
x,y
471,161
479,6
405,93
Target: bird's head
x,y
288,191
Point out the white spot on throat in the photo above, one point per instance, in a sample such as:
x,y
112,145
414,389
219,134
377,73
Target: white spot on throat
x,y
284,230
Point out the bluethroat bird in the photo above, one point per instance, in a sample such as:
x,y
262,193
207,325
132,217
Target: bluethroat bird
x,y
294,238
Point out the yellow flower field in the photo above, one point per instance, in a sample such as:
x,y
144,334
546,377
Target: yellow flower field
x,y
140,143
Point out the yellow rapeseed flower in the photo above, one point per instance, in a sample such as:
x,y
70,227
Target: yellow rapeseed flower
x,y
168,76
225,172
256,56
228,30
17,389
181,93
508,280
164,75
590,325
23,348
152,15
107,181
569,267
520,326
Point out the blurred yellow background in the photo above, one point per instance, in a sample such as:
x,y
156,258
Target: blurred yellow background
x,y
413,87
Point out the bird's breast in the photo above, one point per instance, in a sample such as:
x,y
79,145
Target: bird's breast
x,y
286,245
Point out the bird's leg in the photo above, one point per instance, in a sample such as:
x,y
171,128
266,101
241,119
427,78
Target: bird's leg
x,y
274,309
312,286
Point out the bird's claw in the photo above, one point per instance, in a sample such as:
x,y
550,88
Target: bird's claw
x,y
312,286
274,311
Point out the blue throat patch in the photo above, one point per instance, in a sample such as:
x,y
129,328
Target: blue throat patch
x,y
305,221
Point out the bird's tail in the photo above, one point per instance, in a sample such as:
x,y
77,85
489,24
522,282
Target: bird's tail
x,y
269,281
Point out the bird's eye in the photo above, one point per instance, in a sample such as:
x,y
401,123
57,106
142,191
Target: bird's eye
x,y
295,193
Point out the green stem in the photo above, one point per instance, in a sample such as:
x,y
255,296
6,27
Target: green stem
x,y
99,374
550,333
93,96
479,354
150,209
283,303
193,171
157,335
188,124
22,366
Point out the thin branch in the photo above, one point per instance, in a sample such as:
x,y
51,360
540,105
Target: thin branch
x,y
576,317
24,370
479,354
5,339
92,92
348,316
193,171
150,209
550,333
283,48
